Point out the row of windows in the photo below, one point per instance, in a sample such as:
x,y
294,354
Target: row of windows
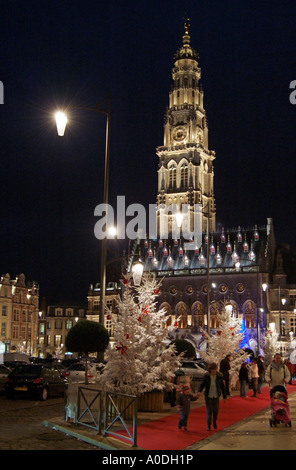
x,y
173,177
17,314
59,324
22,332
23,316
57,340
186,81
59,312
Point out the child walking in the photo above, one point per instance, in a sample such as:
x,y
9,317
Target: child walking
x,y
183,406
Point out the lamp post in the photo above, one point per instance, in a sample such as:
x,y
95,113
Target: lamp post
x,y
281,301
61,121
283,304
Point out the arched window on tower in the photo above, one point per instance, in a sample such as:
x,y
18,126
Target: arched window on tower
x,y
184,176
172,177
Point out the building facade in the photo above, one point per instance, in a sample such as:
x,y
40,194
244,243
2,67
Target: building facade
x,y
113,290
55,321
19,308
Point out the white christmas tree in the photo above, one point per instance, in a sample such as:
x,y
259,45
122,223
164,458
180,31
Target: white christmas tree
x,y
271,345
225,341
58,354
140,360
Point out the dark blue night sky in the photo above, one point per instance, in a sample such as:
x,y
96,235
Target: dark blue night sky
x,y
62,53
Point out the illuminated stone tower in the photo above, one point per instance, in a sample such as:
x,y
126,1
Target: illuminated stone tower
x,y
186,174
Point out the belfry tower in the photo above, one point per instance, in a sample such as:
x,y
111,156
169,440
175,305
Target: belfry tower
x,y
186,173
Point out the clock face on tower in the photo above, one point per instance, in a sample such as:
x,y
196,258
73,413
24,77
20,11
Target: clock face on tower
x,y
179,133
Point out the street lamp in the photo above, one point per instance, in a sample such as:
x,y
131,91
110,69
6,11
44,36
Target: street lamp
x,y
137,271
283,300
61,122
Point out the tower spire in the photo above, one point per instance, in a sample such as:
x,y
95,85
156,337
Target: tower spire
x,y
186,171
186,37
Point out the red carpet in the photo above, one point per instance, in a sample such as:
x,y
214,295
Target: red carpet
x,y
163,433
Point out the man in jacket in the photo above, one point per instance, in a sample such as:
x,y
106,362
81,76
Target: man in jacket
x,y
214,386
225,370
277,373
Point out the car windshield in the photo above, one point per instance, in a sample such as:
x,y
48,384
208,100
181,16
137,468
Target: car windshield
x,y
26,371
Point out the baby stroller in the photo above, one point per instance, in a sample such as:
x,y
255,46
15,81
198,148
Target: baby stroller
x,y
280,410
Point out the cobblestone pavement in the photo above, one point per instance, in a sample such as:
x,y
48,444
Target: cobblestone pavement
x,y
21,426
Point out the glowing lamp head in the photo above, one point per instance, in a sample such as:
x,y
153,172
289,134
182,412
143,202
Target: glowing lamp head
x,y
137,272
112,232
61,121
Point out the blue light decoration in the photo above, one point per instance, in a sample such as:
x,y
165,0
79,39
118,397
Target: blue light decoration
x,y
244,343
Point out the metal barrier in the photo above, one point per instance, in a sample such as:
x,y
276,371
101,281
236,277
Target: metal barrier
x,y
89,402
116,406
82,402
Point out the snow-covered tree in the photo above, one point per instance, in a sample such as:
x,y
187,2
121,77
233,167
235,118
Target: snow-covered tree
x,y
140,360
226,340
271,345
58,353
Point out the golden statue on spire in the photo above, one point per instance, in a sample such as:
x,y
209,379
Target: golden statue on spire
x,y
186,24
186,37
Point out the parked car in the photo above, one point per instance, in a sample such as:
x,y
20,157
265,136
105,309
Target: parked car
x,y
52,365
34,380
76,373
4,372
12,365
192,369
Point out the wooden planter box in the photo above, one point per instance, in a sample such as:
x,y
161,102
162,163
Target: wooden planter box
x,y
121,403
151,401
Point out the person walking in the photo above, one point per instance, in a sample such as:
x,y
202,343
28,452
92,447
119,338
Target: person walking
x,y
214,386
261,371
183,406
277,373
254,376
225,370
243,379
291,368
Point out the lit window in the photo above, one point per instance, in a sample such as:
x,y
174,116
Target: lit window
x,y
184,176
172,177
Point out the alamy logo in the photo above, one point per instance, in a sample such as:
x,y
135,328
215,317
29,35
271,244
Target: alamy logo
x,y
1,93
163,219
293,94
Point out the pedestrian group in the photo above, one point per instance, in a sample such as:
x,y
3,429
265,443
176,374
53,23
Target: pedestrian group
x,y
217,383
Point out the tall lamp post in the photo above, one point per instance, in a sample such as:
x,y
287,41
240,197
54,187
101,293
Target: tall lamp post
x,y
61,122
283,302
